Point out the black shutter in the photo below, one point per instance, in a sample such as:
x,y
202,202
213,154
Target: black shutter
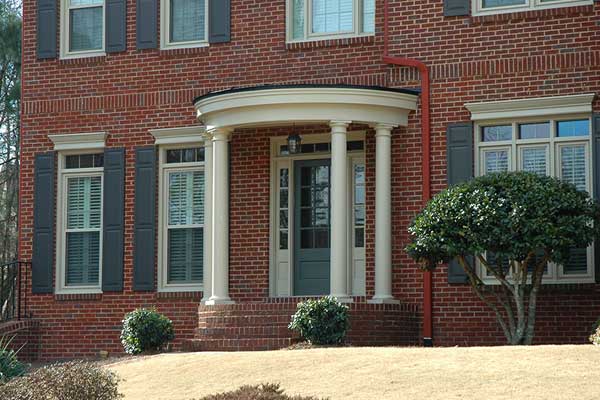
x,y
146,24
596,182
46,28
43,224
219,21
114,208
116,26
455,8
145,221
459,142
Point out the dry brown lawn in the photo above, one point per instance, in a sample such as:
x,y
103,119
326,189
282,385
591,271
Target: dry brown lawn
x,y
482,373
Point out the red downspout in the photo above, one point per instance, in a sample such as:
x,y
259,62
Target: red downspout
x,y
425,143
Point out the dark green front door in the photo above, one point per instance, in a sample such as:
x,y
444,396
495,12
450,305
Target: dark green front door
x,y
311,232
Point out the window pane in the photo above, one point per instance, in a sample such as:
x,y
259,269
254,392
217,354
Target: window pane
x,y
496,161
298,19
355,145
368,16
84,202
86,2
573,128
330,16
534,131
577,264
283,240
534,160
187,20
86,28
83,258
186,198
502,3
573,165
185,255
193,154
496,133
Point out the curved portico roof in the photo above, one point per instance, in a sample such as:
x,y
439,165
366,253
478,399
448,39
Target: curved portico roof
x,y
286,104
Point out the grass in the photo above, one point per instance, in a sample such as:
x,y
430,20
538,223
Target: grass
x,y
491,373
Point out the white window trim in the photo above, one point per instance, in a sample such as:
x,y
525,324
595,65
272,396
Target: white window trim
x,y
65,52
79,141
478,9
164,169
308,36
61,223
284,286
165,29
555,274
181,135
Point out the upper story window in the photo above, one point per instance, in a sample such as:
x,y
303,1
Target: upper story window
x,y
483,7
184,23
82,28
321,19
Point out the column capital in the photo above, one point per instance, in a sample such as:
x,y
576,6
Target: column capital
x,y
220,134
337,126
207,136
383,129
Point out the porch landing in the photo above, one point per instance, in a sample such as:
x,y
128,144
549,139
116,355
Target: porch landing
x,y
263,326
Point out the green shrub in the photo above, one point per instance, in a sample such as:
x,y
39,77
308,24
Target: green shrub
x,y
70,381
10,366
146,330
260,392
323,321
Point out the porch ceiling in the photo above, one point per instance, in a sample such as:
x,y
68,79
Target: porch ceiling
x,y
280,105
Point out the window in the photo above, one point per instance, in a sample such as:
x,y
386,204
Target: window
x,y
82,28
318,19
482,7
80,222
184,23
359,204
555,147
182,218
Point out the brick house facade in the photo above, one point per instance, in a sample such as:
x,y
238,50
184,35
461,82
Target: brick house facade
x,y
133,94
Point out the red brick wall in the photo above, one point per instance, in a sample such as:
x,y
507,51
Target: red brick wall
x,y
524,54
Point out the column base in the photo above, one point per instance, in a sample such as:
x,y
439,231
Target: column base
x,y
383,300
343,298
215,301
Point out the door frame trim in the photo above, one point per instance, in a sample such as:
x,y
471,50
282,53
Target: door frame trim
x,y
281,275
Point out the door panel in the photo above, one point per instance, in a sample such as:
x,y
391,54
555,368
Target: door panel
x,y
311,231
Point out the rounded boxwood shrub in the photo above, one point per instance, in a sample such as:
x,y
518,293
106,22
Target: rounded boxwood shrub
x,y
259,392
10,366
146,330
323,321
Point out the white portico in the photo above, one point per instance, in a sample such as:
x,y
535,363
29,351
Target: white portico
x,y
324,242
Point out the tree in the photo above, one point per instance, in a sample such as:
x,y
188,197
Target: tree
x,y
10,93
512,224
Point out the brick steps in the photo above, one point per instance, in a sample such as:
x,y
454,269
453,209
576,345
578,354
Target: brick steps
x,y
257,344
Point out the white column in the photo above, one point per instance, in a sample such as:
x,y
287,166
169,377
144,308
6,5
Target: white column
x,y
208,215
383,215
220,221
339,211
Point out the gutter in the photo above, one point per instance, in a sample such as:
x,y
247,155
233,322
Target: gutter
x,y
426,170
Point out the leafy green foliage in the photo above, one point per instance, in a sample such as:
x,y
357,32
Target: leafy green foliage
x,y
323,321
260,392
10,366
145,330
509,214
595,336
73,381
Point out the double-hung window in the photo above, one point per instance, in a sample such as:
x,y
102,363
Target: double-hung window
x,y
82,27
322,19
483,7
80,221
184,23
182,218
559,147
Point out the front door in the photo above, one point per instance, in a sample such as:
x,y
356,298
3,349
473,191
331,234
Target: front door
x,y
311,232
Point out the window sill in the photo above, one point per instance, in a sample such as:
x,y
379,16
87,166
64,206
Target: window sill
x,y
185,50
195,295
526,15
77,296
330,42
